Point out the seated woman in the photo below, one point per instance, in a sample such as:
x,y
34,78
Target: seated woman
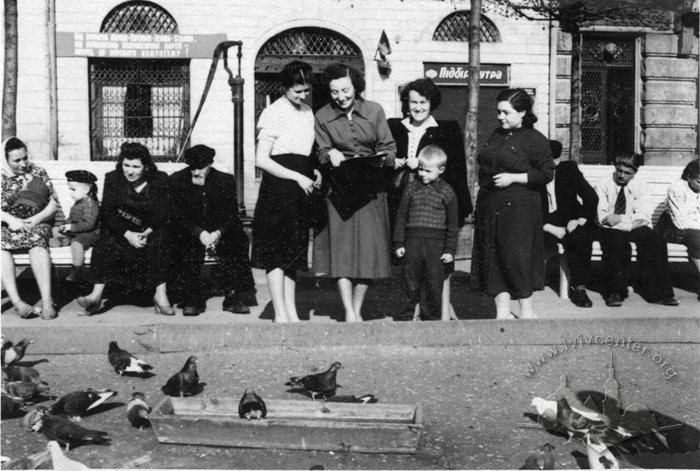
x,y
133,249
28,206
683,210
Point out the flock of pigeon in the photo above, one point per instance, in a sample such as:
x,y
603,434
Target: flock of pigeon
x,y
22,386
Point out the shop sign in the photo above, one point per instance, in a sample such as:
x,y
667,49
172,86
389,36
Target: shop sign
x,y
137,46
456,73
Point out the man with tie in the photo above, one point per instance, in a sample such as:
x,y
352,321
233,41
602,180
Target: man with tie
x,y
624,213
570,218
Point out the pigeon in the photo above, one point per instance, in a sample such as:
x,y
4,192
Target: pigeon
x,y
251,406
62,462
542,459
137,411
559,415
62,430
599,455
318,384
78,403
364,399
14,353
25,389
21,373
125,362
185,382
11,406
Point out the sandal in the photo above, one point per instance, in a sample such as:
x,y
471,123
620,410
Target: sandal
x,y
24,310
50,313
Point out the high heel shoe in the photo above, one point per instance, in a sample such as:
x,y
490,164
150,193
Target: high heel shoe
x,y
163,310
89,305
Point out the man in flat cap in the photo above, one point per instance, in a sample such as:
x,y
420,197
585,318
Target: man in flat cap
x,y
206,220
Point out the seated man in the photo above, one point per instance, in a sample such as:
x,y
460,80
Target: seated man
x,y
624,213
206,219
571,222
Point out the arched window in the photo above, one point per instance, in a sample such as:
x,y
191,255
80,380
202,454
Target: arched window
x,y
455,27
139,17
142,100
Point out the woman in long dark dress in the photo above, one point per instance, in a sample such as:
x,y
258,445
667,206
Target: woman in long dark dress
x,y
25,232
281,225
514,166
133,249
354,247
414,132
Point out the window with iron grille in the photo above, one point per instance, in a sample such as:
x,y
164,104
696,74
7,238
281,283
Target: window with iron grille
x,y
455,27
138,100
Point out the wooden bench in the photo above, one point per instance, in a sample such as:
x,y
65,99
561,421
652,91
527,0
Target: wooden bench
x,y
657,178
61,256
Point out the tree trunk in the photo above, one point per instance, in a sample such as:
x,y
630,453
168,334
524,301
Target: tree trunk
x,y
9,93
470,125
575,117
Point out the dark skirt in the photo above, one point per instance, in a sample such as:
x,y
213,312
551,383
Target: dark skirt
x,y
508,252
283,215
116,262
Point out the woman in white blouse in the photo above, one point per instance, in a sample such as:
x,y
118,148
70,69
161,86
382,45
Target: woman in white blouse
x,y
281,222
683,206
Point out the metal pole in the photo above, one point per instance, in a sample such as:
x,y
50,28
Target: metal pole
x,y
236,84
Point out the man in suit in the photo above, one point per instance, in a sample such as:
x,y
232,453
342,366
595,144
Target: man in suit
x,y
624,212
206,220
570,222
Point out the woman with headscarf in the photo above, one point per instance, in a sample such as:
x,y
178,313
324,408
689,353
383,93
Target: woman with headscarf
x,y
29,204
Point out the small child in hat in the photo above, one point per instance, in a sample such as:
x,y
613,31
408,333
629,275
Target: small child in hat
x,y
81,226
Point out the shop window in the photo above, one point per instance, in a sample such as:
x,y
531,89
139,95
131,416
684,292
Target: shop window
x,y
455,27
607,97
141,100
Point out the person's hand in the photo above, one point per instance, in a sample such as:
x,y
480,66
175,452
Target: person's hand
x,y
400,252
447,258
412,163
135,239
574,223
15,224
63,228
319,179
31,222
503,180
637,223
336,157
206,239
305,183
398,163
612,220
215,237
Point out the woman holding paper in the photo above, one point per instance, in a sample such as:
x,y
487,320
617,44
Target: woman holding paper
x,y
355,245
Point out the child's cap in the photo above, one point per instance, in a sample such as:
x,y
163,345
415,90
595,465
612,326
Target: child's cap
x,y
81,176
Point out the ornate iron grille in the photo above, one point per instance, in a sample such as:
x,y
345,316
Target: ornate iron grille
x,y
608,52
591,112
309,42
145,101
139,17
455,27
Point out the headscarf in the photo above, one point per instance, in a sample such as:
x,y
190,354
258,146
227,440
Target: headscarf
x,y
5,167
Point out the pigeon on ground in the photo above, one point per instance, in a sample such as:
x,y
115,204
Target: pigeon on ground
x,y
318,384
560,416
542,459
251,406
364,399
14,353
137,411
11,406
61,429
25,389
599,455
21,373
185,382
60,461
125,362
78,403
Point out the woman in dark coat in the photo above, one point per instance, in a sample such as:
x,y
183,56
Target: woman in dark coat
x,y
133,249
514,166
416,131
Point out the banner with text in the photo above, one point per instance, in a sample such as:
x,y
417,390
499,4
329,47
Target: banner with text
x,y
137,46
455,73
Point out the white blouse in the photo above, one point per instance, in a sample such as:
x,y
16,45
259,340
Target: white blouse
x,y
683,205
415,133
289,129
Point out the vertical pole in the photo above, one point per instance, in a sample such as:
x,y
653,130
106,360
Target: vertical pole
x,y
236,84
9,88
53,86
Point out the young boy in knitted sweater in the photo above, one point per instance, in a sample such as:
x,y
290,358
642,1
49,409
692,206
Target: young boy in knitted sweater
x,y
425,235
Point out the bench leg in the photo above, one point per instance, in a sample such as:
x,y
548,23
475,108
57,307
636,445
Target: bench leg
x,y
563,277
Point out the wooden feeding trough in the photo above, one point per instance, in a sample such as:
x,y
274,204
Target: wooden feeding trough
x,y
298,425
